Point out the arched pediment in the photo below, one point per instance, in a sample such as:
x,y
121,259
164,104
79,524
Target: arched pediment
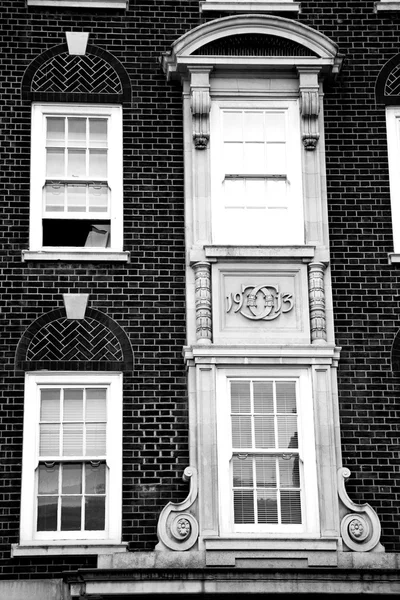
x,y
317,49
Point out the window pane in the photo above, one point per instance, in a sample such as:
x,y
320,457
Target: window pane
x,y
289,471
50,405
241,431
73,404
98,132
98,198
233,158
98,236
286,396
71,479
254,126
47,513
242,470
49,444
54,195
76,198
234,196
277,192
266,471
73,440
267,506
232,126
243,506
48,479
95,478
254,158
276,159
98,164
240,396
55,129
71,513
264,431
287,431
95,439
291,507
263,397
55,163
76,163
96,408
76,131
275,126
256,193
95,513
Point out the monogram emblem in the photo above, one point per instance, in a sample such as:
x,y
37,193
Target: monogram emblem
x,y
260,302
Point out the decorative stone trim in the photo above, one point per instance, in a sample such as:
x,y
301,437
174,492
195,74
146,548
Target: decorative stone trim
x,y
177,529
309,106
361,529
201,106
202,277
75,305
316,292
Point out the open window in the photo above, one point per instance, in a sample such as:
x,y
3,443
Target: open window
x,y
76,178
71,489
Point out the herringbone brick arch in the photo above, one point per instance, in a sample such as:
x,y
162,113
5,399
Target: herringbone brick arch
x,y
76,74
55,342
57,76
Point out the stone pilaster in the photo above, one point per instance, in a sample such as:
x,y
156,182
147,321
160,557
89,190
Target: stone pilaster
x,y
316,291
202,276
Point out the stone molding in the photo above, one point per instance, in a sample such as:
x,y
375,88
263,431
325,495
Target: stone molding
x,y
316,291
202,278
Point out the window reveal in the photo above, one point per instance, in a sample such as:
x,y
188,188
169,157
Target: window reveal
x,y
265,453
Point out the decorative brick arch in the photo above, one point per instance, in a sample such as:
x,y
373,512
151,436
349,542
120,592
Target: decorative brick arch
x,y
95,343
57,76
387,88
395,354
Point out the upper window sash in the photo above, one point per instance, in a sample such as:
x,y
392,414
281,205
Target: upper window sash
x,y
76,178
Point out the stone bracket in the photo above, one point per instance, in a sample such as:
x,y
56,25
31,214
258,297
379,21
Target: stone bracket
x,y
177,529
360,529
309,106
200,106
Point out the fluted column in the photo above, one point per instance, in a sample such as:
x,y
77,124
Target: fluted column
x,y
316,291
202,278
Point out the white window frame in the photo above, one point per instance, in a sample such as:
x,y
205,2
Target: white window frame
x,y
221,234
40,111
393,140
112,533
307,452
80,3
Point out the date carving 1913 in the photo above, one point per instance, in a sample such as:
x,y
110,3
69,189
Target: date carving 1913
x,y
260,302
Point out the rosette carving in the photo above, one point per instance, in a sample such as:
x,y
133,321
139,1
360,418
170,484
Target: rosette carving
x,y
178,529
360,529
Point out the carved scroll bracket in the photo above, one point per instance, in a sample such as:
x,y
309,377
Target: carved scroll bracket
x,y
361,529
201,106
202,279
177,529
316,292
309,106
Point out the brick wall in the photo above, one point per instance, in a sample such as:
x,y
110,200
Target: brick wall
x,y
146,296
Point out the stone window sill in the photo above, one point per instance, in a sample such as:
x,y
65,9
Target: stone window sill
x,y
248,7
59,549
80,3
68,256
386,6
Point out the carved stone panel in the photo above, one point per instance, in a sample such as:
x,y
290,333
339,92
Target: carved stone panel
x,y
260,304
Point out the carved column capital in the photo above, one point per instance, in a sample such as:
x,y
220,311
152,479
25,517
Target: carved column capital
x,y
316,292
202,278
309,106
200,106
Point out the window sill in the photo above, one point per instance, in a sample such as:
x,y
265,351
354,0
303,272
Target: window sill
x,y
68,256
382,6
249,7
80,3
394,258
41,549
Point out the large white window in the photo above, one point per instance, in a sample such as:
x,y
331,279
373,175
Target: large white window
x,y
257,193
266,454
393,136
71,488
76,178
